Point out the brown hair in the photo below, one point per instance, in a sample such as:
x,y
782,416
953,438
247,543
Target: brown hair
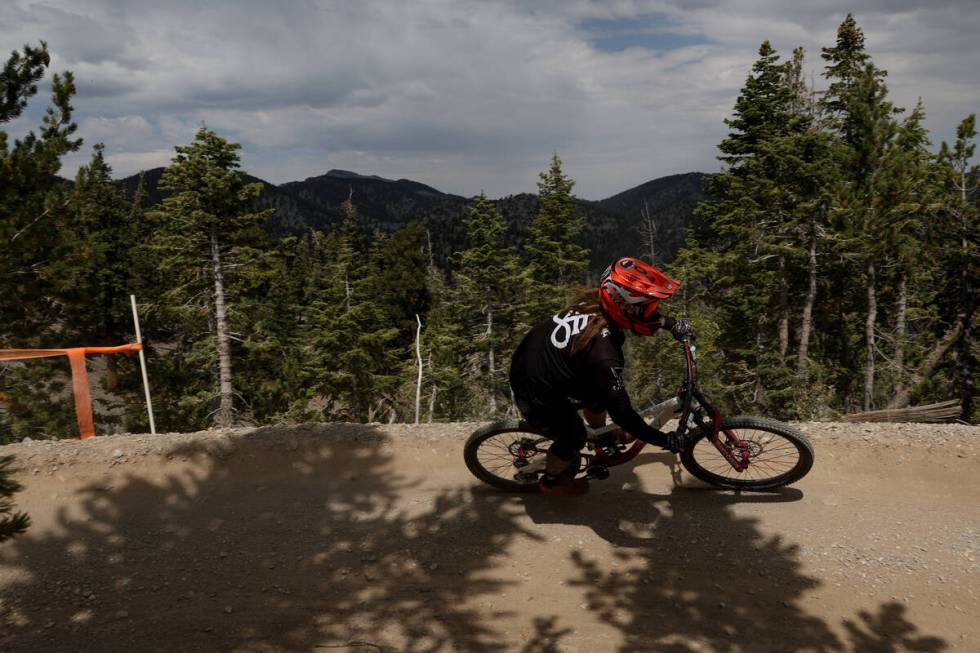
x,y
586,301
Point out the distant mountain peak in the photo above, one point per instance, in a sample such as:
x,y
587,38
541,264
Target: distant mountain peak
x,y
347,174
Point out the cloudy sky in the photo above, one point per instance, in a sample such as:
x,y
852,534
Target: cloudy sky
x,y
463,95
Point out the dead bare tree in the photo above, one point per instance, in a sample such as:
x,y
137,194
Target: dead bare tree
x,y
648,234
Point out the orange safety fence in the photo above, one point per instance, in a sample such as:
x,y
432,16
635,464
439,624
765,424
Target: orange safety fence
x,y
79,375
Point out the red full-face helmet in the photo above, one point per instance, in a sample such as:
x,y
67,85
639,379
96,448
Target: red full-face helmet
x,y
630,290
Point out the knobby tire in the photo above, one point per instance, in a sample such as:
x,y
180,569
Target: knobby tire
x,y
742,425
479,437
745,426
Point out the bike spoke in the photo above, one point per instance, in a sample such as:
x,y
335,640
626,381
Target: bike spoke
x,y
498,453
500,445
770,456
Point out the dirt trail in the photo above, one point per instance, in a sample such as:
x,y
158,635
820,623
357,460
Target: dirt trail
x,y
361,539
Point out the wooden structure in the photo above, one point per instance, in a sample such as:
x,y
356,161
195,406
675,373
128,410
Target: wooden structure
x,y
944,411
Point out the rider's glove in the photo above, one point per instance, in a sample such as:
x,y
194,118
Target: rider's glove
x,y
682,329
670,441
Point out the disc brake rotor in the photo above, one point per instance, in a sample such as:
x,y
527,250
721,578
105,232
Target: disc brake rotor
x,y
523,449
754,448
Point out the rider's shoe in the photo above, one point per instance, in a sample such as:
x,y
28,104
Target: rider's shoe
x,y
563,485
622,437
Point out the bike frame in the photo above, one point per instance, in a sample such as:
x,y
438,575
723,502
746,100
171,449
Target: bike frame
x,y
691,406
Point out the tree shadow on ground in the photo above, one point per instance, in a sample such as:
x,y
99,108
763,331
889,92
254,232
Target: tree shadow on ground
x,y
300,540
691,575
311,539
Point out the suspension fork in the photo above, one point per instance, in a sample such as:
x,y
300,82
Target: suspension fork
x,y
689,393
736,454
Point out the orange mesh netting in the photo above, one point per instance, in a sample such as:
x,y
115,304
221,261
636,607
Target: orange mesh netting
x,y
79,376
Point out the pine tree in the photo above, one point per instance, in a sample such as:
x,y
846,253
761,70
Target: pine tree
x,y
391,292
916,202
487,273
399,275
450,391
29,195
962,185
207,244
847,63
141,225
399,272
958,256
556,259
145,280
266,324
869,199
752,253
14,524
813,176
91,272
761,111
862,118
306,269
329,329
351,359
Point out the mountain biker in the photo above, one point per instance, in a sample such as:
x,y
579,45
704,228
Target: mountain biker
x,y
575,358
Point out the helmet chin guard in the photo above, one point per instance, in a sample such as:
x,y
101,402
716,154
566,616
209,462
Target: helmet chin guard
x,y
630,291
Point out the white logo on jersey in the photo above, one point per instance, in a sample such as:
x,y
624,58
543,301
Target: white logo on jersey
x,y
617,373
568,326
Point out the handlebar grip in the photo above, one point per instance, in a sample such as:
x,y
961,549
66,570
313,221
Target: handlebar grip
x,y
682,330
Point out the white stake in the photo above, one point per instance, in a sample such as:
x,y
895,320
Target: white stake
x,y
418,352
146,382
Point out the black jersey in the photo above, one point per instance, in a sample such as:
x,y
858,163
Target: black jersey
x,y
544,371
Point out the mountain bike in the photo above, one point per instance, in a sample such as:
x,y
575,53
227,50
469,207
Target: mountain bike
x,y
741,453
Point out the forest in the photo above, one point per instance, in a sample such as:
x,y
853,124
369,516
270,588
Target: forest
x,y
833,270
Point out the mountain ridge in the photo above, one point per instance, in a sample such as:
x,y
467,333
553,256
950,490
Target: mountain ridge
x,y
613,226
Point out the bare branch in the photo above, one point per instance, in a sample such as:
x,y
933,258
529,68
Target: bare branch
x,y
37,219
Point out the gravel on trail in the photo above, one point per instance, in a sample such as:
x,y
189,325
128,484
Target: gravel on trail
x,y
357,538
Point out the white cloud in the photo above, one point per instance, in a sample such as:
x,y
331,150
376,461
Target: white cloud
x,y
116,132
462,95
136,161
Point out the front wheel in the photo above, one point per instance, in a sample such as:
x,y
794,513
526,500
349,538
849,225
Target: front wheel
x,y
778,455
508,455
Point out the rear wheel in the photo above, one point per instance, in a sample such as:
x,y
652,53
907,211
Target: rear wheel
x,y
778,455
508,455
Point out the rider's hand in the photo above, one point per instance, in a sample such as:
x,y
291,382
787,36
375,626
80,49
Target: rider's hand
x,y
682,329
670,441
